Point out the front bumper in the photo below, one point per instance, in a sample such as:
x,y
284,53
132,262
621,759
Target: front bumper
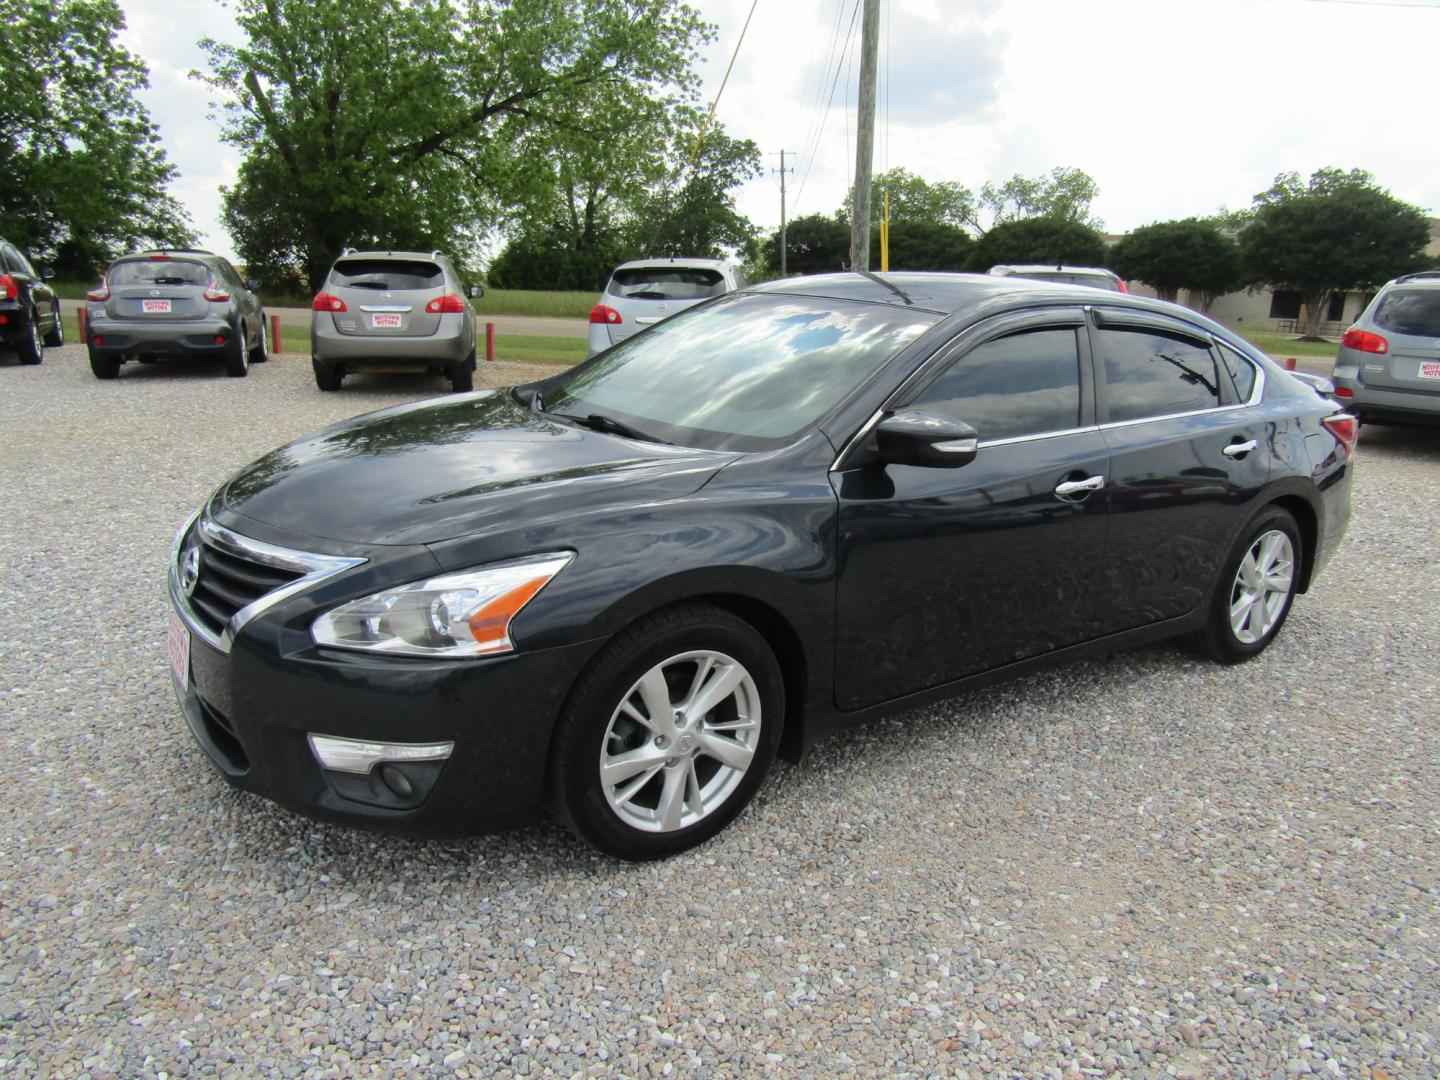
x,y
254,695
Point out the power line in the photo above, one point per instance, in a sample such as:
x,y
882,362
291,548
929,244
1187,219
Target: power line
x,y
815,144
817,109
714,104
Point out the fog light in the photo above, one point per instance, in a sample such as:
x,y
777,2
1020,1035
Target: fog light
x,y
395,779
360,756
219,339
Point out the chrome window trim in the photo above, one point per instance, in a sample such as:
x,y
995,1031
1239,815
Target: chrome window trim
x,y
1173,416
313,568
1038,436
1259,389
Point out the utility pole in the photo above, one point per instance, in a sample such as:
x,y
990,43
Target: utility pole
x,y
865,136
782,171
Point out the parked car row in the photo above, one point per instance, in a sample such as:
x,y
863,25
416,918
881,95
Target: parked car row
x,y
29,308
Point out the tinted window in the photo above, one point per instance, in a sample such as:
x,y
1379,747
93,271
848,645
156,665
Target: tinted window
x,y
1151,373
666,283
1410,311
1242,372
397,274
158,272
746,372
1018,385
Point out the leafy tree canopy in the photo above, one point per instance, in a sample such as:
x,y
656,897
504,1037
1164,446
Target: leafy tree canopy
x,y
1173,255
815,244
1039,240
1064,193
917,201
385,123
84,176
1337,233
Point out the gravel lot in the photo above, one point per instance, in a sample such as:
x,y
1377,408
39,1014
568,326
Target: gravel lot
x,y
1146,865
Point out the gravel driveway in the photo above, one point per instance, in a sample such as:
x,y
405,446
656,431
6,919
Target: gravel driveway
x,y
1145,865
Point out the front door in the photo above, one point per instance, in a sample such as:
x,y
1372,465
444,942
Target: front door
x,y
946,572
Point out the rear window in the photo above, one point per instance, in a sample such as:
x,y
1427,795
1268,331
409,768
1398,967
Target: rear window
x,y
1410,311
159,272
397,274
666,283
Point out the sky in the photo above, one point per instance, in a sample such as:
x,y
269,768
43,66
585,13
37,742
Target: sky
x,y
1175,108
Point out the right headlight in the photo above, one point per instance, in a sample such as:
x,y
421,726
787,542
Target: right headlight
x,y
464,614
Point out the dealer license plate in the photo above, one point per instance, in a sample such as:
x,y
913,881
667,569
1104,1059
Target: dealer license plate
x,y
1430,369
177,637
384,322
156,307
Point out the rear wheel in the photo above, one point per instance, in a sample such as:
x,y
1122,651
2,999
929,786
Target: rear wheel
x,y
55,336
104,367
327,378
462,378
28,349
1256,589
237,357
668,734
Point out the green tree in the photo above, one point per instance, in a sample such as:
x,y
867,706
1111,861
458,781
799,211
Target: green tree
x,y
917,201
85,177
1039,240
815,244
376,122
693,212
924,247
1337,233
1173,255
1064,193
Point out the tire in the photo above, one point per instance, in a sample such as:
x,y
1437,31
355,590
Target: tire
x,y
261,352
104,367
28,350
55,337
671,791
237,358
1242,621
327,378
462,379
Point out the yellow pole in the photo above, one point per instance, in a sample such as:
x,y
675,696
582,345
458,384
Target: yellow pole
x,y
885,235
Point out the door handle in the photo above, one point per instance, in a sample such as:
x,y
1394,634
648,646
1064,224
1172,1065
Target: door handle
x,y
1239,449
1075,487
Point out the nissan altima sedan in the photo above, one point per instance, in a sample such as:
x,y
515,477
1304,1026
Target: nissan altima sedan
x,y
618,594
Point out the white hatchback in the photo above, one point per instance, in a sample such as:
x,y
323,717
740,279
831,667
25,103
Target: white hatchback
x,y
643,292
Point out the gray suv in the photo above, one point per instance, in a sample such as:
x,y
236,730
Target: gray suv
x,y
177,303
1388,366
393,307
641,293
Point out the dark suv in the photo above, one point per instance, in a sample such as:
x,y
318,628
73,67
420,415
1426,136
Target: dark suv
x,y
173,304
29,309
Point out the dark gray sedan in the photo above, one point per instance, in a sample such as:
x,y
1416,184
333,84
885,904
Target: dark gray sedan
x,y
174,304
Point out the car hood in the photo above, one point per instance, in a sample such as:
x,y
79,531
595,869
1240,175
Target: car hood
x,y
435,470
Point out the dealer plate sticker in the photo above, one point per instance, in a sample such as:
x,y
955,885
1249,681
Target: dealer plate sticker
x,y
1430,369
156,307
177,637
381,322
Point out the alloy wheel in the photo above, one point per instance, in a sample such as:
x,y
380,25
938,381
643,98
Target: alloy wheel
x,y
680,741
1262,587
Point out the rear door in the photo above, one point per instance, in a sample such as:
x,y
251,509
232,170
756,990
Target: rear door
x,y
1189,461
944,573
1409,320
643,295
386,297
158,288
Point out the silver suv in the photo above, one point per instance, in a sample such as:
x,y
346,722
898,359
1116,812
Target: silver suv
x,y
643,292
176,303
1388,366
393,307
1097,277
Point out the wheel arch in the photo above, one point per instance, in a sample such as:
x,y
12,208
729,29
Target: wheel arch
x,y
1309,524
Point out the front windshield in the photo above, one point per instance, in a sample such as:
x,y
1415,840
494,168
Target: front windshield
x,y
746,372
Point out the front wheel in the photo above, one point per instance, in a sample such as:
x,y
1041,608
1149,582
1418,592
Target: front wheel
x,y
28,348
1256,589
261,352
55,336
668,734
237,357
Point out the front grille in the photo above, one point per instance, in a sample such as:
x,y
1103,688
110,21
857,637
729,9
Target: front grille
x,y
228,582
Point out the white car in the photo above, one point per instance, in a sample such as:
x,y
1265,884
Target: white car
x,y
645,291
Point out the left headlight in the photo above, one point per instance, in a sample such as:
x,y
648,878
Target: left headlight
x,y
456,615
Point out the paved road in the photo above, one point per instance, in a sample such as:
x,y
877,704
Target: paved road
x,y
1137,866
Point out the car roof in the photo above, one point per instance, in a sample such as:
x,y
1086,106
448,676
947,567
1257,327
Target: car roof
x,y
1050,268
391,255
670,260
1425,279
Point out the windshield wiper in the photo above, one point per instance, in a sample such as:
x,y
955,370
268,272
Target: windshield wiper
x,y
881,281
600,422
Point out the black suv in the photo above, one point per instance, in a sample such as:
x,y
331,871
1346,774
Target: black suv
x,y
175,303
29,309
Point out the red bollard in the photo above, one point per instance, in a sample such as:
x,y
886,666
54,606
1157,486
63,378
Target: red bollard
x,y
81,314
489,341
1289,363
276,344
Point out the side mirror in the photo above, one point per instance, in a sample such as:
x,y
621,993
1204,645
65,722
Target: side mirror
x,y
474,292
251,284
913,437
47,273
